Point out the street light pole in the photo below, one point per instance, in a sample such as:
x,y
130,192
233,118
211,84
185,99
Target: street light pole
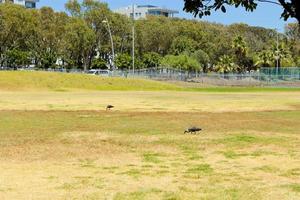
x,y
133,40
277,53
112,43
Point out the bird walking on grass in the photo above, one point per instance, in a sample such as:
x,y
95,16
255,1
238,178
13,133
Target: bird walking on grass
x,y
192,130
109,107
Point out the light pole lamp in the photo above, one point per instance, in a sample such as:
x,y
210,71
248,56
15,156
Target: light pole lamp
x,y
112,42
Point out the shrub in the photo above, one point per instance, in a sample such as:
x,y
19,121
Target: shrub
x,y
183,62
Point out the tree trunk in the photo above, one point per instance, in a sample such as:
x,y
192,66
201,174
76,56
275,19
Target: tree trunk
x,y
85,67
279,66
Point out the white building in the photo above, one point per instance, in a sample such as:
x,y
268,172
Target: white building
x,y
142,11
26,3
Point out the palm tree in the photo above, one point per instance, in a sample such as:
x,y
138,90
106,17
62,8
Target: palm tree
x,y
240,47
280,53
240,50
226,65
265,59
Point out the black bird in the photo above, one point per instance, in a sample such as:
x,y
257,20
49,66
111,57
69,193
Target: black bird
x,y
192,130
109,107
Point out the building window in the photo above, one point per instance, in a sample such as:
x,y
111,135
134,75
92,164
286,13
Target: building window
x,y
30,4
154,12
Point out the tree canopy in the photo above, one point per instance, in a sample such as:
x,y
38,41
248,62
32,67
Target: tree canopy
x,y
79,39
291,8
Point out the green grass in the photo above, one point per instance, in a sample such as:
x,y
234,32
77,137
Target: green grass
x,y
295,187
201,169
248,140
60,82
139,195
233,155
268,169
293,173
151,157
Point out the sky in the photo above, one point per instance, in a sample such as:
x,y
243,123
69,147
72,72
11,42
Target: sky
x,y
266,15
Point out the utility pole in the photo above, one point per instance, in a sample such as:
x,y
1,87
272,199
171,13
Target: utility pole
x,y
133,39
112,43
277,62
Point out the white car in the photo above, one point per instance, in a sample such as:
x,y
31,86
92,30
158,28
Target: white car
x,y
98,72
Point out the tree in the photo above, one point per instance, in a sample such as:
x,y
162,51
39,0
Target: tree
x,y
292,31
16,26
154,35
74,8
279,54
78,40
17,58
298,61
122,33
81,39
291,8
94,13
45,42
275,55
182,62
151,59
265,59
226,65
203,59
99,63
240,47
123,61
183,44
244,62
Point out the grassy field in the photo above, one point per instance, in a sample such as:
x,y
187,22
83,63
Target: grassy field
x,y
60,82
64,145
151,101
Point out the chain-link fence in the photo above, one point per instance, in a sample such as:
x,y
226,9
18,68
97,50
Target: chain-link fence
x,y
265,76
286,71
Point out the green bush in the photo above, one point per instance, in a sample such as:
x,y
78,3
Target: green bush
x,y
183,62
151,59
123,61
203,59
16,58
99,63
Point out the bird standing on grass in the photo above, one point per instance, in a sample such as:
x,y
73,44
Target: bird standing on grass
x,y
109,107
192,130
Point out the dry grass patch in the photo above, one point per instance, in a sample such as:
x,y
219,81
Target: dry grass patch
x,y
134,101
133,155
